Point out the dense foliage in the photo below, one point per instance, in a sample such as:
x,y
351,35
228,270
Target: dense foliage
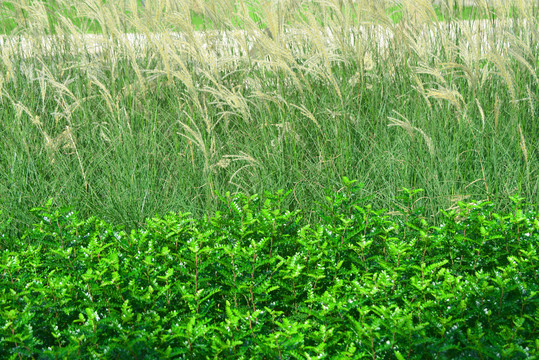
x,y
250,283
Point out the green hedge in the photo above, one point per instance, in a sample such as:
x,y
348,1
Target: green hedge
x,y
250,283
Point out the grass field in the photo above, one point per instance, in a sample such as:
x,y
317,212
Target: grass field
x,y
126,134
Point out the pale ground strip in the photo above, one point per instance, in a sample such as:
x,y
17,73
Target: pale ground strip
x,y
231,44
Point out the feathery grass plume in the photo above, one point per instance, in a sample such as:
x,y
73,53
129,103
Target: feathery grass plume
x,y
177,18
38,22
525,8
469,51
51,145
420,88
523,148
19,7
425,69
416,14
407,42
313,37
155,11
502,64
132,6
195,136
1,87
342,27
197,6
166,55
174,68
280,57
273,18
481,112
469,74
496,113
21,108
218,12
251,163
105,93
132,54
453,96
267,98
406,125
69,39
247,38
337,26
96,12
61,88
106,18
282,64
7,55
483,7
257,53
305,112
372,13
234,99
503,8
531,99
519,51
322,55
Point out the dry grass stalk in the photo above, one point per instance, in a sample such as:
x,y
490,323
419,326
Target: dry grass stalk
x,y
469,74
9,75
305,112
453,96
406,125
257,53
64,141
523,147
1,87
531,98
224,96
502,65
469,51
496,113
481,112
61,88
105,93
420,88
197,6
195,137
518,51
433,71
251,162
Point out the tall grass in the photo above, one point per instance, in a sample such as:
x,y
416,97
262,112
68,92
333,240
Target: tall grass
x,y
125,129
